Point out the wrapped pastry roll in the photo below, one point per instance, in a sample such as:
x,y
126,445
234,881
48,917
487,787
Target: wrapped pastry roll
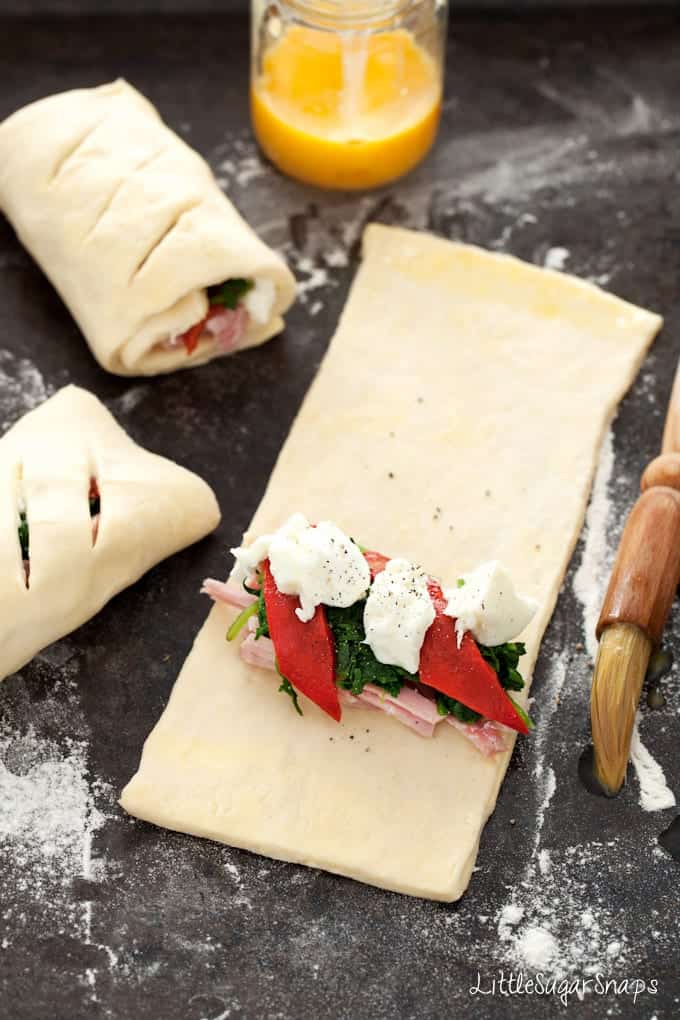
x,y
154,262
84,512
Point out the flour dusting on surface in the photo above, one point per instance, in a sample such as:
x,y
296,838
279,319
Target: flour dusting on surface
x,y
50,812
556,258
537,947
129,400
592,576
241,165
655,794
540,927
22,388
47,813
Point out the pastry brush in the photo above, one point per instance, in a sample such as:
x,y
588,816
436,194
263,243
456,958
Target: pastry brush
x,y
638,600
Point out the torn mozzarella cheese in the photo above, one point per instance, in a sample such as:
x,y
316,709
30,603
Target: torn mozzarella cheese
x,y
397,614
319,564
485,603
259,300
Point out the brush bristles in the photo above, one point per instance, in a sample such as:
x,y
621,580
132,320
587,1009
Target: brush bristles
x,y
620,669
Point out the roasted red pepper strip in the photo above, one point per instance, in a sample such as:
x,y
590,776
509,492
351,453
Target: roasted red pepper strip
x,y
305,652
462,673
376,562
192,336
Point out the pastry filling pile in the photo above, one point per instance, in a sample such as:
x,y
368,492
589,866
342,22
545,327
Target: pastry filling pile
x,y
231,306
349,627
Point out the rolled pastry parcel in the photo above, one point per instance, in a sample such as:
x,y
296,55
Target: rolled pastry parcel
x,y
84,512
157,267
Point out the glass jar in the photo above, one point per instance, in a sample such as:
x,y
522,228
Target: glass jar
x,y
347,93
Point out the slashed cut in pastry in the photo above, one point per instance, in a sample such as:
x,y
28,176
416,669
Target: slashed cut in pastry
x,y
157,267
84,512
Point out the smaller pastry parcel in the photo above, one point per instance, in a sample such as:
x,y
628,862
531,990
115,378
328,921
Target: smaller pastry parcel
x,y
384,611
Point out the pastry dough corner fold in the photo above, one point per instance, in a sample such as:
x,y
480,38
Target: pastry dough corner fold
x,y
496,382
150,508
130,226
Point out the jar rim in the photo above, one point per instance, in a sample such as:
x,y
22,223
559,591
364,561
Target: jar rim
x,y
349,14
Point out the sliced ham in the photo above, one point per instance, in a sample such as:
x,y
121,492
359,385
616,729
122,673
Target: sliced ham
x,y
227,327
488,737
229,592
409,700
258,652
375,697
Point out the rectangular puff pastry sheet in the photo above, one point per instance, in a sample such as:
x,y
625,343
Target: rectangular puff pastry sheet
x,y
456,418
129,224
150,508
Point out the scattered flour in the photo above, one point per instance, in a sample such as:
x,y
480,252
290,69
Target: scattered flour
x,y
49,816
592,576
130,399
241,166
655,795
46,811
336,258
544,925
240,899
537,947
22,388
315,276
556,258
510,916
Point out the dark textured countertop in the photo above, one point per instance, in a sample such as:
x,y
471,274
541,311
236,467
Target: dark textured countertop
x,y
559,144
32,8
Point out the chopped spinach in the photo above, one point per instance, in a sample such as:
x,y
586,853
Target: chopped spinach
x,y
503,659
356,665
23,535
449,706
230,293
286,687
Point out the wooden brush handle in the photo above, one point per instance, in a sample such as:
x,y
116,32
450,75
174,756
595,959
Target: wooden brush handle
x,y
671,433
647,568
663,470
